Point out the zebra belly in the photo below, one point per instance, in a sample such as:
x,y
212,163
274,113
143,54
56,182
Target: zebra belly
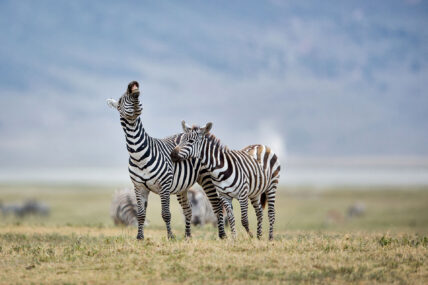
x,y
150,186
141,180
230,187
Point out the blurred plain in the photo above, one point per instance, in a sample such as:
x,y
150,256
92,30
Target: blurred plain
x,y
337,90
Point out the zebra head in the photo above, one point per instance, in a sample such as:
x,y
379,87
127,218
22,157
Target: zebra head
x,y
128,105
190,145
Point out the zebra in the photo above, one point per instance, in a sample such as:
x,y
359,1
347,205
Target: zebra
x,y
124,208
152,170
251,173
29,207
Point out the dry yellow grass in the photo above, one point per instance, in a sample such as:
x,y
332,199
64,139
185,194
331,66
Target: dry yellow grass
x,y
112,255
79,244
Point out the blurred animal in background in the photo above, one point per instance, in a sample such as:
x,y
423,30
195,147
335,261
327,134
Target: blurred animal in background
x,y
334,217
202,212
358,209
9,209
124,208
28,207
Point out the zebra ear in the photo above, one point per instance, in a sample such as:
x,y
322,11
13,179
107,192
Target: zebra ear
x,y
207,128
112,103
186,127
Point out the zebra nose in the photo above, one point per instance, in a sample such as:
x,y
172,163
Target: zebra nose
x,y
174,155
197,221
135,93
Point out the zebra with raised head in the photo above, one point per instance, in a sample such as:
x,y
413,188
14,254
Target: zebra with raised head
x,y
251,173
151,169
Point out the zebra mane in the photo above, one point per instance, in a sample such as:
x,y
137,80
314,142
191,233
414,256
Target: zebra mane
x,y
215,141
211,138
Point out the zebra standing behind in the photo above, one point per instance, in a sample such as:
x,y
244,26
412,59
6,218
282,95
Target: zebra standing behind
x,y
151,169
124,208
202,212
251,173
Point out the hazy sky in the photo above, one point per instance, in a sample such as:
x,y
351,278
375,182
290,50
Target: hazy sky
x,y
313,78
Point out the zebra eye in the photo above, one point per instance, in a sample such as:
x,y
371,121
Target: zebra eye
x,y
191,141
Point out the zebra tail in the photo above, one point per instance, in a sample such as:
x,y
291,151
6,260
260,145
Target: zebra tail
x,y
263,200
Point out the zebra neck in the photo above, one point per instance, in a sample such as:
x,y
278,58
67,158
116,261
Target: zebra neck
x,y
138,142
213,155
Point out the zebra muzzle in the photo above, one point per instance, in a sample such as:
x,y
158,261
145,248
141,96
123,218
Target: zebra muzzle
x,y
174,155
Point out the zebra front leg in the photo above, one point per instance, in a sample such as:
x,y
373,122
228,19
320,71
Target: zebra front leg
x,y
205,181
142,198
166,214
217,206
187,211
227,204
255,201
243,202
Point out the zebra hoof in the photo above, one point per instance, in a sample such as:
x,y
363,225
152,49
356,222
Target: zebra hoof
x,y
140,237
171,236
223,236
250,234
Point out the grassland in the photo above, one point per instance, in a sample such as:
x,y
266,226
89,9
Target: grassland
x,y
315,242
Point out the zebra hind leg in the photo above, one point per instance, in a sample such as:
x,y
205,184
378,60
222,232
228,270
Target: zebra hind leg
x,y
243,202
259,214
166,214
227,204
187,211
271,208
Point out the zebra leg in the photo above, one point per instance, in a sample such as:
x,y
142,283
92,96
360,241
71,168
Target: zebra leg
x,y
243,202
142,196
220,220
271,208
166,214
255,201
215,201
187,211
217,205
227,204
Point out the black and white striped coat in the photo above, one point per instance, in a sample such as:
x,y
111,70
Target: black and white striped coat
x,y
251,173
123,209
151,168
